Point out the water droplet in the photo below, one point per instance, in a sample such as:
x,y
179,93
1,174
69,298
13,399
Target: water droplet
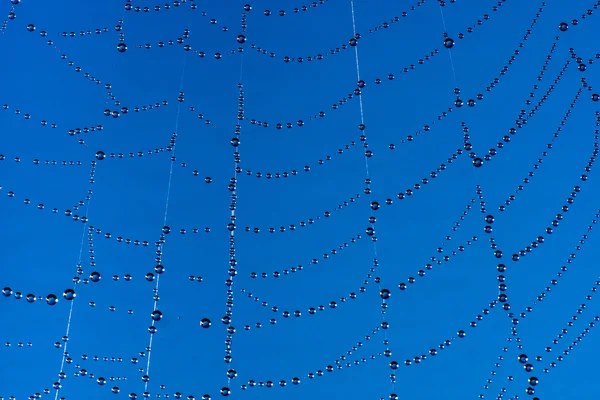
x,y
205,323
100,155
563,26
523,358
156,315
95,276
121,47
69,294
51,299
533,381
448,43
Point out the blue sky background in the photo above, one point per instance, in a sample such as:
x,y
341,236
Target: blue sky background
x,y
40,249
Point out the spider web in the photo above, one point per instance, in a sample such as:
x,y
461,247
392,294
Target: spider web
x,y
356,199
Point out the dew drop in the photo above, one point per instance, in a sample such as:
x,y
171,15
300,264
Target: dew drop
x,y
69,294
533,381
523,358
156,315
205,323
51,299
95,276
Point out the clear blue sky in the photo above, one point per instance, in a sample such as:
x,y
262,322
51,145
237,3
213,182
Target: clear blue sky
x,y
168,155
